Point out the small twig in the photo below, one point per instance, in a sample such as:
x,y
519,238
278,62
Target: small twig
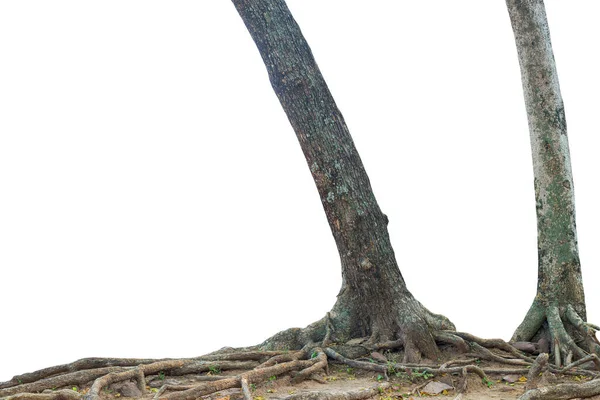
x,y
417,389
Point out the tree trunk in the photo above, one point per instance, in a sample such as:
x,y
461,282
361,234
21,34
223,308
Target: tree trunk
x,y
558,310
373,300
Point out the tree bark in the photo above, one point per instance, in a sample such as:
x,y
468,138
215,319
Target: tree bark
x,y
560,285
374,299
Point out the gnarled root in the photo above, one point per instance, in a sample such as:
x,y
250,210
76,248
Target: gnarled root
x,y
305,354
79,365
564,391
255,366
568,335
65,394
406,324
539,366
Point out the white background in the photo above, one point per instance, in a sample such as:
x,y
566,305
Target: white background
x,y
154,201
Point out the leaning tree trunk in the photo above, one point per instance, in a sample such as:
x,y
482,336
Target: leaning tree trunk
x,y
373,300
558,311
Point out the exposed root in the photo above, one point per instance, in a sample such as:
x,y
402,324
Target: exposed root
x,y
570,337
462,386
588,358
387,345
485,354
291,356
319,365
196,367
564,391
73,378
402,367
203,389
65,394
459,362
137,373
359,394
242,356
245,388
368,366
175,388
79,365
328,331
451,338
494,344
253,366
539,366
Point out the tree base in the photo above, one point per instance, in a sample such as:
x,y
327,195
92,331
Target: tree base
x,y
561,331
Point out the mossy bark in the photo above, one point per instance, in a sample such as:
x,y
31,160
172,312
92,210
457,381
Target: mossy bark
x,y
373,299
560,284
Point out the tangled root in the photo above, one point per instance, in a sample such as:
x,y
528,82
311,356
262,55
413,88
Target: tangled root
x,y
568,336
243,369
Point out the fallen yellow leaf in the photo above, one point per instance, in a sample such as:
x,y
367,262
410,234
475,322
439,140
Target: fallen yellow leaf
x,y
522,379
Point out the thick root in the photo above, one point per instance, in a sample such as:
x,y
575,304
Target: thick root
x,y
65,394
79,365
415,329
255,366
568,335
138,373
253,376
359,394
319,366
494,344
539,366
73,378
564,391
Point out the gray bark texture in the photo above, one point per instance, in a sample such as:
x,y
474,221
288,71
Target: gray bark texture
x,y
373,300
560,297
